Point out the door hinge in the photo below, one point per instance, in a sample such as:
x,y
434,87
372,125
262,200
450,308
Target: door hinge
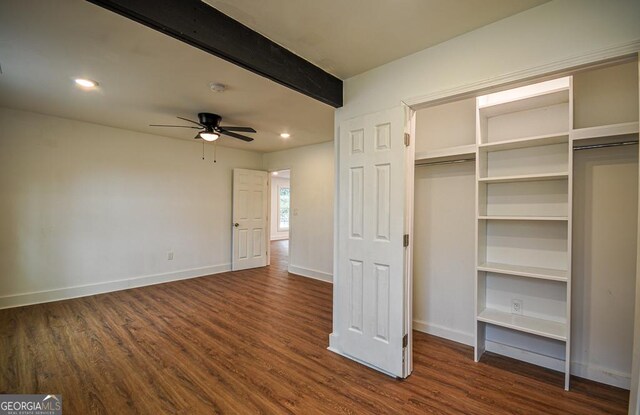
x,y
405,240
407,139
405,340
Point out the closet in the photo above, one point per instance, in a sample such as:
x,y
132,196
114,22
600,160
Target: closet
x,y
525,222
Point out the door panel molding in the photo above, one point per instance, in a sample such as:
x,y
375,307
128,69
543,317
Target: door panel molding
x,y
370,296
250,223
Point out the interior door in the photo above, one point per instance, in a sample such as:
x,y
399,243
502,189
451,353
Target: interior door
x,y
250,224
371,315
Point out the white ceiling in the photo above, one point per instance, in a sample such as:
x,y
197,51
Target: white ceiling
x,y
348,37
145,78
149,78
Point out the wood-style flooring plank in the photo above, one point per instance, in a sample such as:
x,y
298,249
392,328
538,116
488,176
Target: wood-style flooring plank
x,y
254,341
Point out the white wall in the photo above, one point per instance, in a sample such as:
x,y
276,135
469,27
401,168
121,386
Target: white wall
x,y
556,35
604,262
634,405
87,208
275,183
444,250
311,221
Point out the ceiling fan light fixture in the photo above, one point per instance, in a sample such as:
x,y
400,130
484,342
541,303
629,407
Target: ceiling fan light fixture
x,y
210,128
209,135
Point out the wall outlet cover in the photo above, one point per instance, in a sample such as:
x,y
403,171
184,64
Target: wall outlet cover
x,y
516,306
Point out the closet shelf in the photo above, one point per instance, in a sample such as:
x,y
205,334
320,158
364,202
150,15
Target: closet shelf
x,y
541,140
503,217
611,130
524,271
524,142
524,178
467,152
525,92
533,101
540,327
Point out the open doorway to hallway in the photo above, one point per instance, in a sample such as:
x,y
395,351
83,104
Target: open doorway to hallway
x,y
280,189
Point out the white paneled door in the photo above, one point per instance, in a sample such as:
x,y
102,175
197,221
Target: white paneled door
x,y
250,225
371,302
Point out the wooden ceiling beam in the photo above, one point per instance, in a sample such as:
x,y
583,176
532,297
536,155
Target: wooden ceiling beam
x,y
198,24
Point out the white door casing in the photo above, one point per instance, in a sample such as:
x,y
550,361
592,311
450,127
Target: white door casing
x,y
370,295
250,220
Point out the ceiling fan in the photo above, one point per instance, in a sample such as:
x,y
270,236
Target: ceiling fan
x,y
211,128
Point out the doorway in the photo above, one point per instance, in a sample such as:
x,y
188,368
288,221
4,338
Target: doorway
x,y
280,210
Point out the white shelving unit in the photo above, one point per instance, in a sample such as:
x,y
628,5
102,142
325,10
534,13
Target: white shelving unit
x,y
531,325
465,152
524,271
610,130
524,184
447,132
546,218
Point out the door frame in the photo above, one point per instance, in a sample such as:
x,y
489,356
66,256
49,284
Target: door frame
x,y
269,190
410,128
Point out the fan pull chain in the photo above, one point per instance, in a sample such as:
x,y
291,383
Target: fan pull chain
x,y
215,151
202,149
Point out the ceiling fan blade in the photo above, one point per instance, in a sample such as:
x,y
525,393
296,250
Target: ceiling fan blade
x,y
177,126
234,135
239,129
191,121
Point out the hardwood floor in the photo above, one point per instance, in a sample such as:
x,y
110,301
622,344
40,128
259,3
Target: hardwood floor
x,y
253,342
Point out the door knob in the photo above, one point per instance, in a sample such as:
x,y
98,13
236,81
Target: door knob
x,y
236,224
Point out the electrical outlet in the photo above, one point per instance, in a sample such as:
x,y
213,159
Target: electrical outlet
x,y
516,306
170,256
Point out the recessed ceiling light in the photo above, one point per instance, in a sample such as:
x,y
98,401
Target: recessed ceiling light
x,y
86,83
285,135
275,173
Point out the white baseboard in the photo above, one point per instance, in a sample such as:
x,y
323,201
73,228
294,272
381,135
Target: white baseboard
x,y
311,273
602,375
525,355
279,238
586,371
37,297
444,332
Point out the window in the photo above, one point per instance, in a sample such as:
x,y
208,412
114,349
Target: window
x,y
283,208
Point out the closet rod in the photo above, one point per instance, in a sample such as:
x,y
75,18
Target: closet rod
x,y
435,163
590,146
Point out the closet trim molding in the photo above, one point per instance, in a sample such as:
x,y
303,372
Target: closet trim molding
x,y
616,53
